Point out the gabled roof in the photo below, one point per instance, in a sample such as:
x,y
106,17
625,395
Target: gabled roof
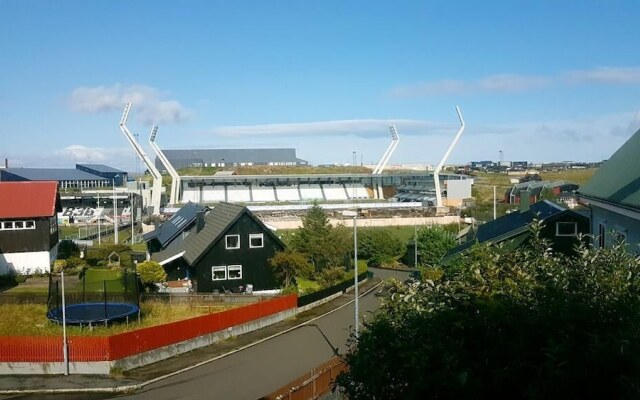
x,y
102,168
175,225
28,199
53,174
511,225
618,180
217,222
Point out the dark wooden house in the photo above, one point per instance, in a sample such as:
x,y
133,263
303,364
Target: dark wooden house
x,y
28,226
559,224
227,249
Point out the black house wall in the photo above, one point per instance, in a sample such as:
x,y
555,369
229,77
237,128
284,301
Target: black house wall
x,y
255,267
28,240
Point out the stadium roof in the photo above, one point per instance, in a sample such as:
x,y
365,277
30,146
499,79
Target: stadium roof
x,y
618,180
102,168
52,174
28,199
230,156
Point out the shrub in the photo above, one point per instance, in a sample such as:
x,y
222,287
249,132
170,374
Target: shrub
x,y
151,272
331,276
520,324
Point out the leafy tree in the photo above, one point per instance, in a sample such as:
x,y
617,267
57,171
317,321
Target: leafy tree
x,y
331,276
289,264
520,324
379,246
325,245
433,243
151,272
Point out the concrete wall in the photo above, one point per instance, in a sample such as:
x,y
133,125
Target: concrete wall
x,y
28,262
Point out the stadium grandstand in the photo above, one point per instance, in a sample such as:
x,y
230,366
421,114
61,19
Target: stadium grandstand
x,y
396,187
229,158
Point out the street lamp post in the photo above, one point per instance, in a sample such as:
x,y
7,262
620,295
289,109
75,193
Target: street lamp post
x,y
65,350
355,268
99,218
354,214
115,214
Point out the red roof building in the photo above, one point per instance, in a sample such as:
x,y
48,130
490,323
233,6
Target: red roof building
x,y
28,199
28,226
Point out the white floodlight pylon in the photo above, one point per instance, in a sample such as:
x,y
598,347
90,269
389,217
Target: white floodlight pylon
x,y
157,178
174,195
436,172
387,153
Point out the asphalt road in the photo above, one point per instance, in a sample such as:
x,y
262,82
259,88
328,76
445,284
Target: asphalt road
x,y
265,367
262,369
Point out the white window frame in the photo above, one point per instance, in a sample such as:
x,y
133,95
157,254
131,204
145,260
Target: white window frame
x,y
218,268
226,242
234,267
575,228
33,224
256,236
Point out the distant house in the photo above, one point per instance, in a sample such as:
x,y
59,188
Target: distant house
x,y
613,195
560,225
227,249
537,189
174,228
28,226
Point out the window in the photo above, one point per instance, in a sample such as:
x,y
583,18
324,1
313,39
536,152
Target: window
x,y
256,240
30,224
602,231
566,229
232,241
18,225
219,273
235,271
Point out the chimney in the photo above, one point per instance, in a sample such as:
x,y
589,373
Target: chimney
x,y
6,163
199,221
525,200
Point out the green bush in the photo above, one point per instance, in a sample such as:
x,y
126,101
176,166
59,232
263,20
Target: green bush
x,y
331,276
379,246
518,324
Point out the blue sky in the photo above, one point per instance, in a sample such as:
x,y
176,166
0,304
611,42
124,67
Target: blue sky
x,y
539,80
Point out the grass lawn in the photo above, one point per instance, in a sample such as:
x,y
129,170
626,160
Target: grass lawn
x,y
31,320
307,285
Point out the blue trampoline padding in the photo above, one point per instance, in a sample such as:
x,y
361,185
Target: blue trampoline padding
x,y
91,313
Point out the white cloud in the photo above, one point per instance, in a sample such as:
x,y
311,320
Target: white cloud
x,y
514,83
80,153
355,127
149,101
607,75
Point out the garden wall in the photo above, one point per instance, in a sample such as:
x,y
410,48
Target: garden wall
x,y
97,355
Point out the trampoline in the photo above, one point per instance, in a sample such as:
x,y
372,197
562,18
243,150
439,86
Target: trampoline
x,y
94,313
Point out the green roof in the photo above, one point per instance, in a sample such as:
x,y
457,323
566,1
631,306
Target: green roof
x,y
618,179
